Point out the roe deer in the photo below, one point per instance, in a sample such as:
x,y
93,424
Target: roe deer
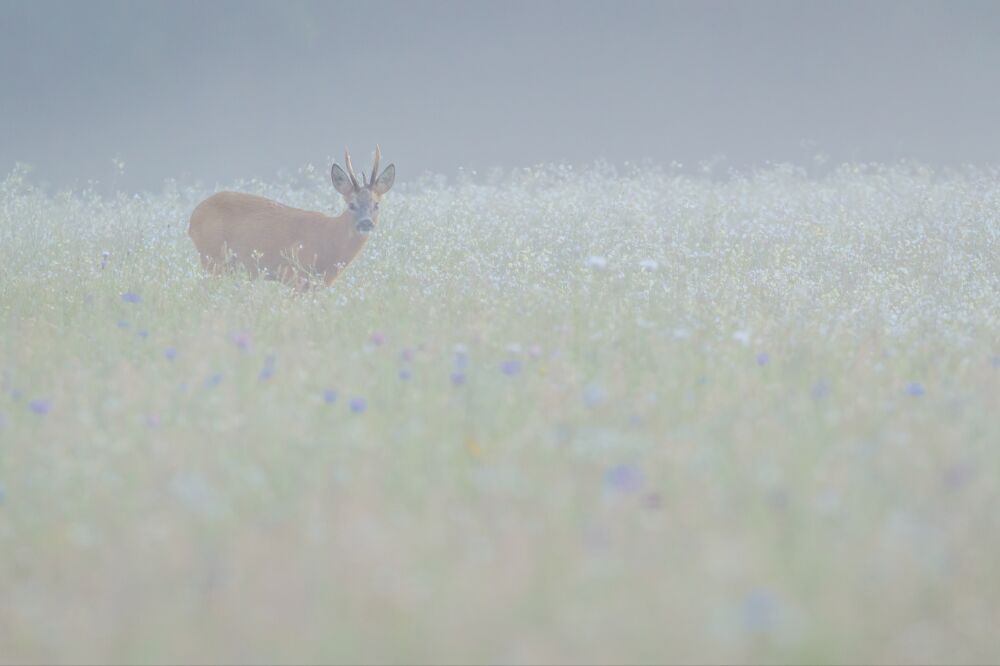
x,y
290,244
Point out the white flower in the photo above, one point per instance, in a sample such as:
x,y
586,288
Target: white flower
x,y
596,261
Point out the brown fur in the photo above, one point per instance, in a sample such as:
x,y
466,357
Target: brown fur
x,y
264,235
289,244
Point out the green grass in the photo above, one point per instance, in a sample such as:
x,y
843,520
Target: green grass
x,y
647,488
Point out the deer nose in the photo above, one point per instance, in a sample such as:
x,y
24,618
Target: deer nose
x,y
365,225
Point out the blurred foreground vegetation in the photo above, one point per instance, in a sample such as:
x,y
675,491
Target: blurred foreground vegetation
x,y
547,415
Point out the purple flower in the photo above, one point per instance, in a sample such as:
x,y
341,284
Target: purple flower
x,y
40,405
143,334
405,374
461,358
330,395
623,478
266,373
214,380
511,367
170,353
123,323
407,355
916,389
458,378
358,405
957,476
243,340
763,359
377,338
131,297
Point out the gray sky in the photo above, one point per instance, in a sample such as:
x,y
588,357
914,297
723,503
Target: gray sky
x,y
213,91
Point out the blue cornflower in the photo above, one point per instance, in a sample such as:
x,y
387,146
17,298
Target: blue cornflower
x,y
143,333
358,405
243,340
820,390
330,395
170,353
405,374
763,358
214,380
760,610
40,405
123,323
458,378
958,475
266,372
594,395
511,367
131,297
623,478
915,389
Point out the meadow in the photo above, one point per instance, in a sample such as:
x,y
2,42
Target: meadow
x,y
548,415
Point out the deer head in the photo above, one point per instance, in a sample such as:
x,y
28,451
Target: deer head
x,y
362,196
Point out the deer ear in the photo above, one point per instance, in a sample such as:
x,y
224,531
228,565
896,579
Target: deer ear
x,y
386,180
341,182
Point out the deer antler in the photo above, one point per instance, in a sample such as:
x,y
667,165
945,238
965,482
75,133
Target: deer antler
x,y
350,168
378,156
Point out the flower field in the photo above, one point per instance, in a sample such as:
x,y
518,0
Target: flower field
x,y
548,415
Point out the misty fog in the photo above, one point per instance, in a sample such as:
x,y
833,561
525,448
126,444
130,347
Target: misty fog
x,y
210,92
701,366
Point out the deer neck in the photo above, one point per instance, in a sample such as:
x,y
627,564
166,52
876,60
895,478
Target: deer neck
x,y
346,241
